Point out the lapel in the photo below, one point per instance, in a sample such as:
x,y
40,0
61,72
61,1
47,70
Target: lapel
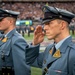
x,y
10,34
60,51
54,57
1,43
3,40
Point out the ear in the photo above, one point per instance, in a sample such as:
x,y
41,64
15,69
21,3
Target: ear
x,y
63,25
8,20
11,21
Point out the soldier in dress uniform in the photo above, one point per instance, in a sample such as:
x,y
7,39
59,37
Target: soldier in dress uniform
x,y
58,57
12,46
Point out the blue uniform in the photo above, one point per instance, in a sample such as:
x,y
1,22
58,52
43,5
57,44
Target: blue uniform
x,y
12,53
0,35
61,63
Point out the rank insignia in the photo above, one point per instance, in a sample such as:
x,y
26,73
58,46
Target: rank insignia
x,y
5,39
57,54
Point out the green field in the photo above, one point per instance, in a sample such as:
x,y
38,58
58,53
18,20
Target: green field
x,y
28,38
37,71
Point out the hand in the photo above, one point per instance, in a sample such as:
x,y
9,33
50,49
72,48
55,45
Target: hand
x,y
38,35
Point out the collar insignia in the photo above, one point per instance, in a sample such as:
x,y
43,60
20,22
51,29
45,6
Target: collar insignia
x,y
5,39
57,54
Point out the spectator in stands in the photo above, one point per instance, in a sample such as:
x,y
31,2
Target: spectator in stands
x,y
34,9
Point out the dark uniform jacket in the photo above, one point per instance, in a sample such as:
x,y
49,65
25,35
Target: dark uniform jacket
x,y
12,53
61,63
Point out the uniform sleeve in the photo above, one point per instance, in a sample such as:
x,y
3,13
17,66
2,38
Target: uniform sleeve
x,y
38,61
72,65
18,55
33,57
71,62
74,69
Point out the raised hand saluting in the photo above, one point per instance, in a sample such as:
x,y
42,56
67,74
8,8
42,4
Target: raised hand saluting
x,y
38,35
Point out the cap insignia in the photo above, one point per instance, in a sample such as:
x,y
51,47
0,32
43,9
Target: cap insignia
x,y
60,16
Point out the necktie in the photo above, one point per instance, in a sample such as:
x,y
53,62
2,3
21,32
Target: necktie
x,y
54,50
3,36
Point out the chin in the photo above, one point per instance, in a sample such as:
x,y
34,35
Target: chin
x,y
49,38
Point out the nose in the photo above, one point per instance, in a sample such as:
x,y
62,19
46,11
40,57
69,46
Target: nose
x,y
45,26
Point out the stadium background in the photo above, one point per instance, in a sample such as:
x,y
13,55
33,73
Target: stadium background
x,y
31,10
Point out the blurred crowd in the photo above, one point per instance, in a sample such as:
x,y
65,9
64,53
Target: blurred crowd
x,y
33,10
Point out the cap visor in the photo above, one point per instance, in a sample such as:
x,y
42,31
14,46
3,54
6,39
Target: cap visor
x,y
45,21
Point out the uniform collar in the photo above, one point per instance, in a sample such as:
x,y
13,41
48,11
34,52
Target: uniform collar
x,y
65,44
7,33
57,46
10,33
